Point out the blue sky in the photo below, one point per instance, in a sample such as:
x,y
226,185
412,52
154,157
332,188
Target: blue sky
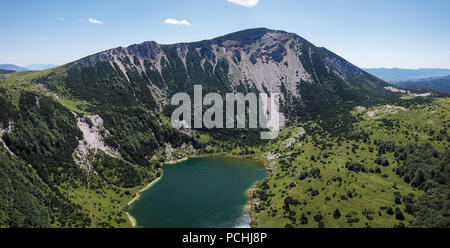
x,y
368,33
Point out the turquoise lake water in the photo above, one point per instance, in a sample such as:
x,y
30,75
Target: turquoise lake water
x,y
200,192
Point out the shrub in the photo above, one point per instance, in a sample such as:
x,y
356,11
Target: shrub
x,y
356,167
337,214
303,220
353,220
390,211
399,214
315,172
303,176
318,217
314,193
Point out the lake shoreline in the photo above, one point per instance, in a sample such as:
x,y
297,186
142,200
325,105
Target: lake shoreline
x,y
136,197
250,200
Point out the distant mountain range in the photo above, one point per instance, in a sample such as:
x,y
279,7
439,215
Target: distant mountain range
x,y
34,67
437,83
11,67
397,74
31,67
5,71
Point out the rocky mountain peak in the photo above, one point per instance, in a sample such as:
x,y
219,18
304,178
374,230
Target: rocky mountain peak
x,y
253,60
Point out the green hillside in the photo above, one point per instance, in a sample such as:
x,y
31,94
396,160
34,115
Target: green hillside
x,y
392,169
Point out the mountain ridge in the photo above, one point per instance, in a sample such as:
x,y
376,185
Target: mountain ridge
x,y
399,74
3,71
30,67
243,37
33,67
257,60
441,83
12,67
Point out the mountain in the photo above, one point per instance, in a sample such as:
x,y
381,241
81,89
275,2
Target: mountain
x,y
79,140
313,81
12,67
436,83
396,74
40,66
27,67
2,71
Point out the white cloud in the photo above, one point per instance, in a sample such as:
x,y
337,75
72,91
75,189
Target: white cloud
x,y
13,58
245,3
95,21
176,22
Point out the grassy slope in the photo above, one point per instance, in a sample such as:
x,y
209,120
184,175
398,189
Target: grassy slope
x,y
370,191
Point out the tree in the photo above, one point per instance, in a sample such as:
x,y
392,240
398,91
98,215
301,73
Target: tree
x,y
318,217
337,214
303,219
390,211
303,176
315,172
399,214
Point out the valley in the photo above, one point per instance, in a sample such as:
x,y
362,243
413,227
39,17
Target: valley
x,y
88,135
